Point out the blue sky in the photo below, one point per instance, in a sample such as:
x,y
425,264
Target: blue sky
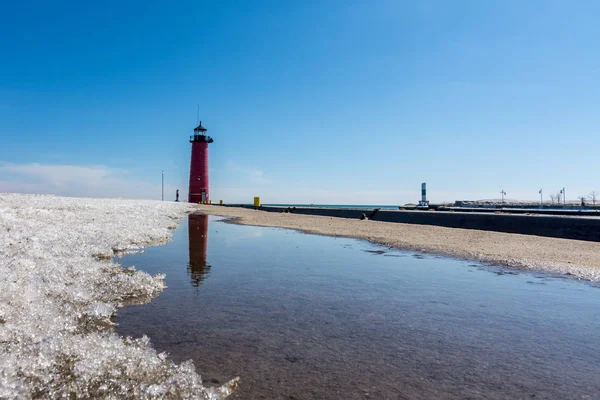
x,y
308,101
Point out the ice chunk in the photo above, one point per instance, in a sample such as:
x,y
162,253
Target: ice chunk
x,y
59,288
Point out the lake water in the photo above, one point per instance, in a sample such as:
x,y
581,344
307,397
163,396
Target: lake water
x,y
300,316
366,207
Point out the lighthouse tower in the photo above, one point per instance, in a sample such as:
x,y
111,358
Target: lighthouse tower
x,y
198,191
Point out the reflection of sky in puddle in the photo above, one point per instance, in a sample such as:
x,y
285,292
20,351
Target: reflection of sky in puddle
x,y
231,241
306,316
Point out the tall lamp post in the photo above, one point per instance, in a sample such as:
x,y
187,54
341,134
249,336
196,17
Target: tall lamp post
x,y
541,198
564,196
503,193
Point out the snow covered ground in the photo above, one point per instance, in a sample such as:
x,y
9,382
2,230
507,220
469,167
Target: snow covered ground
x,y
59,288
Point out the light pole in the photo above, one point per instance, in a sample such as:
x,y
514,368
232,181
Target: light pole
x,y
162,197
541,199
564,194
503,193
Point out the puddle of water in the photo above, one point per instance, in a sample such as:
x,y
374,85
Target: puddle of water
x,y
309,317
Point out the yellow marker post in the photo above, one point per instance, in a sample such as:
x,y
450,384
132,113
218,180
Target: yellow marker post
x,y
210,202
257,202
221,202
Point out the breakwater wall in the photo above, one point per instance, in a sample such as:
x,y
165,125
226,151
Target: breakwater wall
x,y
565,227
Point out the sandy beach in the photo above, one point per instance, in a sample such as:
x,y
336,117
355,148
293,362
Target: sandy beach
x,y
560,256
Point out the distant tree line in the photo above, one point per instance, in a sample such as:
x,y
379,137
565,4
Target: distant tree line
x,y
558,197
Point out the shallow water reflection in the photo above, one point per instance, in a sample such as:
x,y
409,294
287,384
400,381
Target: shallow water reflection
x,y
198,268
308,317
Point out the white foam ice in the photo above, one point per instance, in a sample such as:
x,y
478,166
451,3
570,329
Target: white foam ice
x,y
59,289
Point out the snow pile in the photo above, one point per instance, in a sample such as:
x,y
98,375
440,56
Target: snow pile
x,y
59,289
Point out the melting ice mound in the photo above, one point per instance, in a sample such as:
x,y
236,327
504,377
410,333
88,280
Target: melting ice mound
x,y
58,290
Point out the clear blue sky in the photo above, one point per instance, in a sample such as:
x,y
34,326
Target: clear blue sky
x,y
308,101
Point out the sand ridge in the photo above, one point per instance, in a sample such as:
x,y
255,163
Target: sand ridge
x,y
580,259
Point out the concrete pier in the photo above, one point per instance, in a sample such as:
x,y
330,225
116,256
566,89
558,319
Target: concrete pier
x,y
565,227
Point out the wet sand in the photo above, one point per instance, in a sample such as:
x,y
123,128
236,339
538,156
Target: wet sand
x,y
561,256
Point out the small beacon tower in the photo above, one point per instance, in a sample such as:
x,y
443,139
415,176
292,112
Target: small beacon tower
x,y
198,191
424,202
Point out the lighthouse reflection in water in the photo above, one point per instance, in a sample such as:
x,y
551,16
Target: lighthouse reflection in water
x,y
198,245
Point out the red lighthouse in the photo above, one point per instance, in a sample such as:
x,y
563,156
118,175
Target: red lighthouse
x,y
198,192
